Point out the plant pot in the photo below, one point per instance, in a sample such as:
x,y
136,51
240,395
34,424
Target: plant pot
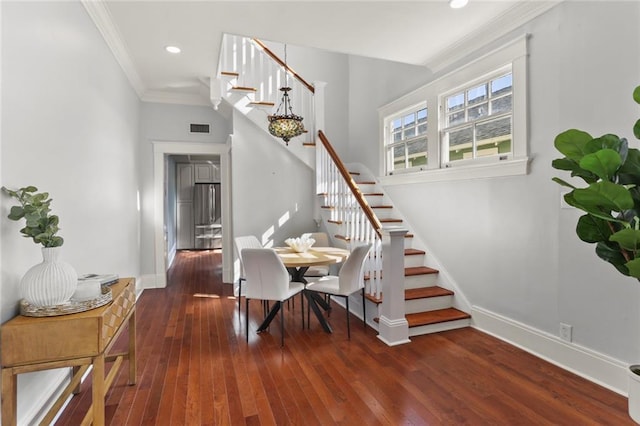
x,y
51,282
634,392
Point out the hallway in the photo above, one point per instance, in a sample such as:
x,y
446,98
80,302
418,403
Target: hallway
x,y
195,368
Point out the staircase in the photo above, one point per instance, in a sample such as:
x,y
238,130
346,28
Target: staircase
x,y
352,205
429,308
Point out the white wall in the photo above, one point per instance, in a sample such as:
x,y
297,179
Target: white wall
x,y
372,84
506,241
272,194
167,122
70,127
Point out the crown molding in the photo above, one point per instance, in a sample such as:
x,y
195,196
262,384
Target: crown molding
x,y
101,17
511,19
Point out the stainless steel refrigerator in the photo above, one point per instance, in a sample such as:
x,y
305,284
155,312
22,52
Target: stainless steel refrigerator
x,y
206,216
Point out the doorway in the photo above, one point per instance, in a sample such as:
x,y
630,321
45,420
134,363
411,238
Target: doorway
x,y
161,153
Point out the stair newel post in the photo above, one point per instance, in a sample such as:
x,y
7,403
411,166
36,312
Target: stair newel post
x,y
393,328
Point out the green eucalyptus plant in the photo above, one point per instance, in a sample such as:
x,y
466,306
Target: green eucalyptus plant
x,y
611,199
40,225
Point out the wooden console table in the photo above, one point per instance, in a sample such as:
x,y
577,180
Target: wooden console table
x,y
77,340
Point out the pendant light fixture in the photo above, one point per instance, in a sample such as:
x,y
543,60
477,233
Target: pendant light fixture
x,y
284,123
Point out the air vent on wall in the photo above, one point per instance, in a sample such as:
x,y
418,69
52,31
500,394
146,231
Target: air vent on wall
x,y
199,128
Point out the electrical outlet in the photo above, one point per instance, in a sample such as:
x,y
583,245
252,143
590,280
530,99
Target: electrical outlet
x,y
565,332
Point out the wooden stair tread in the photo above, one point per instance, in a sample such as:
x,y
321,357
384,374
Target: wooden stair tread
x,y
262,103
230,74
244,89
355,173
413,252
426,292
381,207
308,144
366,183
419,270
390,220
373,298
408,272
435,317
374,194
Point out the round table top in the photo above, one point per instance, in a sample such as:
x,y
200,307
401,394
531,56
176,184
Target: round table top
x,y
315,256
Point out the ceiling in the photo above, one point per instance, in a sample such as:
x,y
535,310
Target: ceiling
x,y
418,32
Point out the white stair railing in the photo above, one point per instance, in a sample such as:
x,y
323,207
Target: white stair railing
x,y
350,210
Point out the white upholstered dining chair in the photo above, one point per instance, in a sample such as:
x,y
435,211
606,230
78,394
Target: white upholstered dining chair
x,y
267,279
243,242
348,281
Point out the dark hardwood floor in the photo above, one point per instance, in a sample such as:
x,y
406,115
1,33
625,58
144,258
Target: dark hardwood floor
x,y
195,368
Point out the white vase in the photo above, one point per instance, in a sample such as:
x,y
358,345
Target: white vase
x,y
634,392
51,282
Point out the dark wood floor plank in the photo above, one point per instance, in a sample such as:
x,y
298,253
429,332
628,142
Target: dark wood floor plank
x,y
195,368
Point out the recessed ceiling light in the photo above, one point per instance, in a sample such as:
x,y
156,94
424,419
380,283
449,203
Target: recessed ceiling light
x,y
457,4
172,49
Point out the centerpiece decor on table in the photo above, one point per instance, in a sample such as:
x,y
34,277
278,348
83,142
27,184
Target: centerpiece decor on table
x,y
301,244
51,282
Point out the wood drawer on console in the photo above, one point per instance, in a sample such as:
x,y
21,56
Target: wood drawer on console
x,y
28,340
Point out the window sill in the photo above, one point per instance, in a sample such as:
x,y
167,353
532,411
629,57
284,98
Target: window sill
x,y
515,167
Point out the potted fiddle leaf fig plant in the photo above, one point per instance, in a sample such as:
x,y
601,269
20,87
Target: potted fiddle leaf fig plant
x,y
51,282
611,205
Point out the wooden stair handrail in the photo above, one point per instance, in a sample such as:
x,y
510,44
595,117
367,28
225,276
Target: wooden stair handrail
x,y
350,182
282,64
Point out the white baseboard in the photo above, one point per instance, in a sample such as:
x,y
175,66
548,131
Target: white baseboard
x,y
591,365
35,404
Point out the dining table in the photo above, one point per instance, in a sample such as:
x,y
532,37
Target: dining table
x,y
297,263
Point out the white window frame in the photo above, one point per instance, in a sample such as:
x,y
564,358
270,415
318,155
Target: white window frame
x,y
513,53
444,162
388,134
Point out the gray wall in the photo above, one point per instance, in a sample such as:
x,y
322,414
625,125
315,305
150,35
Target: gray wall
x,y
69,127
272,194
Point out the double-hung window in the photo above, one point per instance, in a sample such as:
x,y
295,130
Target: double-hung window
x,y
476,126
477,119
406,140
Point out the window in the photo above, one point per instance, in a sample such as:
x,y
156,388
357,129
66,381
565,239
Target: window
x,y
477,120
478,130
406,141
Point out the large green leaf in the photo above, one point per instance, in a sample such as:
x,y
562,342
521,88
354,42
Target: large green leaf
x,y
16,213
628,239
570,199
634,267
636,129
636,95
610,252
572,143
629,172
619,145
604,163
562,183
604,196
564,164
591,229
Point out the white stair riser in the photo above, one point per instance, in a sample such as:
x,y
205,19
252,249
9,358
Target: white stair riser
x,y
414,260
427,304
418,281
441,326
384,213
374,200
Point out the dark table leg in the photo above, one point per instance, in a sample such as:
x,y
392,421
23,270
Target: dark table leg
x,y
297,274
313,299
272,314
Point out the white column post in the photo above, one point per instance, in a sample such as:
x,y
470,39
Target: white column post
x,y
393,328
